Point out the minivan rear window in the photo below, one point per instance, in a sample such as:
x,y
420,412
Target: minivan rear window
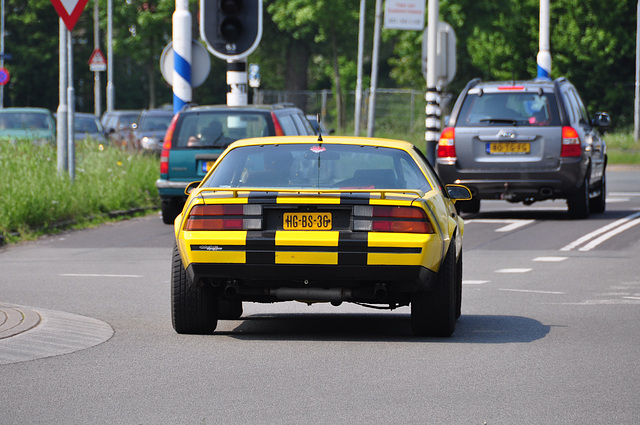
x,y
509,108
206,129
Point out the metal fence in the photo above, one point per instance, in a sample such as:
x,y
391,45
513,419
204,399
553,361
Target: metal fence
x,y
399,112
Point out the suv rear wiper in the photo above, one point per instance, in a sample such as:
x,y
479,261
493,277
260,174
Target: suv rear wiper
x,y
500,121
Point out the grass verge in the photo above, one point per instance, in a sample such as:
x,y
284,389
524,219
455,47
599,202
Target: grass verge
x,y
35,199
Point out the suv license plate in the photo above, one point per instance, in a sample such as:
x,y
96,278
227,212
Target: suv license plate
x,y
206,166
504,148
307,221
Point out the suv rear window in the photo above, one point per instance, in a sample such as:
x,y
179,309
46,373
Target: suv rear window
x,y
219,128
515,108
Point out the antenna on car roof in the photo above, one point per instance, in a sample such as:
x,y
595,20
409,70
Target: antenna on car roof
x,y
319,129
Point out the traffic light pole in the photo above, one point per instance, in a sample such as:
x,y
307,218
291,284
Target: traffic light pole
x,y
237,81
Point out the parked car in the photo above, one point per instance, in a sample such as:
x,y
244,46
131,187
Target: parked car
x,y
197,136
525,141
29,124
337,219
318,126
87,126
150,128
118,125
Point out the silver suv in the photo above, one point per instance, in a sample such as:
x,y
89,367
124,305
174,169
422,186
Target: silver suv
x,y
525,141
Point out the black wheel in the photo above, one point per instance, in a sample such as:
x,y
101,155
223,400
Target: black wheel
x,y
579,202
459,286
598,204
471,206
434,313
194,309
229,309
170,210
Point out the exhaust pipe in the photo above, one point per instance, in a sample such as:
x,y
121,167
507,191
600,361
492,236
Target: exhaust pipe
x,y
380,291
230,291
334,295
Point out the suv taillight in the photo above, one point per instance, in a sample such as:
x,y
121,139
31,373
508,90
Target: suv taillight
x,y
225,217
166,147
571,146
447,143
276,125
390,219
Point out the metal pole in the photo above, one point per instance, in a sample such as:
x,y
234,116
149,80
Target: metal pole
x,y
374,69
432,123
181,20
62,105
544,54
97,101
110,86
358,111
636,115
71,103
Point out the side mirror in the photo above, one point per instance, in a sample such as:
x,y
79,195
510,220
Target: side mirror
x,y
458,192
601,120
190,187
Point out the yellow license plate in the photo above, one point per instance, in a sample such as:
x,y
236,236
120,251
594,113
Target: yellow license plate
x,y
307,221
508,148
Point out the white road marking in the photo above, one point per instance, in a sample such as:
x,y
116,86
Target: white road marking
x,y
474,282
99,275
623,193
550,259
513,270
512,224
532,291
609,235
631,298
603,230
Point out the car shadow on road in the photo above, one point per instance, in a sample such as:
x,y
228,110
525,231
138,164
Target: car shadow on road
x,y
475,329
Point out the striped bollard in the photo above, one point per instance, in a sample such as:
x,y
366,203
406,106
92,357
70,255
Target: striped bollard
x,y
432,123
182,91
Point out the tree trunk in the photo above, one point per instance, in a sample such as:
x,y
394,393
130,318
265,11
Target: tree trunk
x,y
297,65
336,78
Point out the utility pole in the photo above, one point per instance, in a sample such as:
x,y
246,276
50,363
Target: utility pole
x,y
358,111
432,123
636,115
374,69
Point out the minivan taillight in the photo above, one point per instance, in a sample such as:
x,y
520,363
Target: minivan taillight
x,y
225,217
571,146
447,143
166,147
380,218
276,125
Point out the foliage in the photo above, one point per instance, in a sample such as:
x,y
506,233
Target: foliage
x,y
310,44
34,198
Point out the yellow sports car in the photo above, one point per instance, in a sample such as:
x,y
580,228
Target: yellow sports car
x,y
339,219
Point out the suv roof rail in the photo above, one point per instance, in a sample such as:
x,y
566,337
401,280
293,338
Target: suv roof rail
x,y
471,84
284,105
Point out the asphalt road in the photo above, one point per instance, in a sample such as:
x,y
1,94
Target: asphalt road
x,y
549,334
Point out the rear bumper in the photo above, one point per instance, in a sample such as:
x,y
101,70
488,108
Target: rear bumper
x,y
171,188
251,282
518,185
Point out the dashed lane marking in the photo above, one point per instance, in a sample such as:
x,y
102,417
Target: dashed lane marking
x,y
514,270
550,259
532,291
100,275
512,224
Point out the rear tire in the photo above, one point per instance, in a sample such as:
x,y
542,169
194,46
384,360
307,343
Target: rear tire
x,y
579,202
471,206
229,309
598,204
434,313
170,210
459,286
194,309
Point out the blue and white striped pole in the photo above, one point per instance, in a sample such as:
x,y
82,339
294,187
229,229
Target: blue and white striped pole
x,y
544,54
182,91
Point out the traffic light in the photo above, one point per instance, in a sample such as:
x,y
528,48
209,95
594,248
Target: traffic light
x,y
232,29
